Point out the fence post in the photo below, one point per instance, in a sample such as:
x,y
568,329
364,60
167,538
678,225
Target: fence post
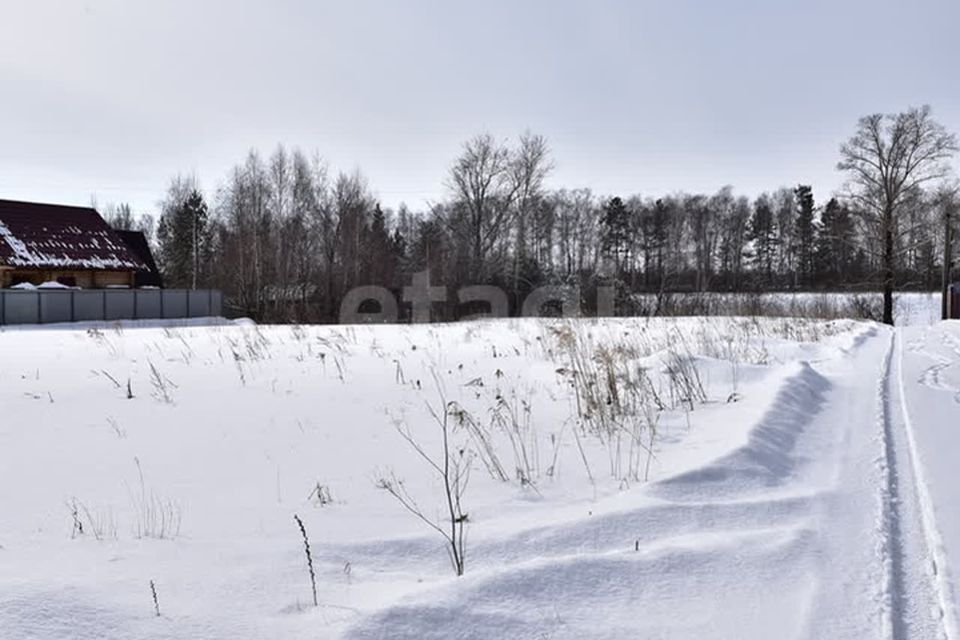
x,y
39,313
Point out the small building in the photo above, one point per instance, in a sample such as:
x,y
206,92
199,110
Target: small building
x,y
71,245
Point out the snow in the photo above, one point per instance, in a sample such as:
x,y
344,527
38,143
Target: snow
x,y
929,378
20,250
806,497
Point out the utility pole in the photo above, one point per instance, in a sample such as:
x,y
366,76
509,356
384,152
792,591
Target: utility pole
x,y
196,255
948,204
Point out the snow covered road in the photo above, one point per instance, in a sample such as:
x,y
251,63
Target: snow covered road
x,y
812,495
928,441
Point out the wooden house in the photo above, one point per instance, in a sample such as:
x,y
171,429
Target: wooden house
x,y
71,245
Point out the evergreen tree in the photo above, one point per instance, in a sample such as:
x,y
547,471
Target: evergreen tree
x,y
835,250
380,258
825,260
762,233
653,235
805,232
661,234
183,237
616,233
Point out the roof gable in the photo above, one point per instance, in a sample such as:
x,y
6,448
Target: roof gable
x,y
52,236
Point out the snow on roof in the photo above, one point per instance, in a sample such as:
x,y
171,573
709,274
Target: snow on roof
x,y
49,236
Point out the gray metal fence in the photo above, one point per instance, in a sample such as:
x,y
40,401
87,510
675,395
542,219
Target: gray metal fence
x,y
43,306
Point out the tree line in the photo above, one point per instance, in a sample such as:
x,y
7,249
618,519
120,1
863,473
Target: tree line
x,y
286,238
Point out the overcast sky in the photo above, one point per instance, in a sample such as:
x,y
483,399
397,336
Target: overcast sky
x,y
113,97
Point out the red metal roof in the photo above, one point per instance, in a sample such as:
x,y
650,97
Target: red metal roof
x,y
48,236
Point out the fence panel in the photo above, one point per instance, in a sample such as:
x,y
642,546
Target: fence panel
x,y
79,305
119,304
55,306
199,304
216,302
149,303
87,305
175,303
21,307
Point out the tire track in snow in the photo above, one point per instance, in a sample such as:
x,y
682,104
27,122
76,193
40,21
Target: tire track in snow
x,y
909,542
932,536
892,621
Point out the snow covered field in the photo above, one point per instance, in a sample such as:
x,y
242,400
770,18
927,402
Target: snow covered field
x,y
799,484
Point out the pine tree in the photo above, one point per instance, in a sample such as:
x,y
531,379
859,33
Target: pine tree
x,y
651,233
380,258
184,238
616,231
806,232
825,258
762,233
835,251
844,240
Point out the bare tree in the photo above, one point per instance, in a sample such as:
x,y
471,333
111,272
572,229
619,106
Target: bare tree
x,y
529,167
888,160
703,215
785,209
242,205
301,235
119,216
576,230
279,178
482,181
733,239
352,204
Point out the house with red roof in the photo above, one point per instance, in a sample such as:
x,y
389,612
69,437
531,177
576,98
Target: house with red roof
x,y
74,246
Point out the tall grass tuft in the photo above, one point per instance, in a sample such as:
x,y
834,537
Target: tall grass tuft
x,y
306,548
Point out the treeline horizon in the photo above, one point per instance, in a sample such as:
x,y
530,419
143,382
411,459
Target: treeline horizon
x,y
286,238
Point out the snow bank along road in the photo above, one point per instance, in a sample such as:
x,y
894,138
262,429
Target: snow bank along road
x,y
805,492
